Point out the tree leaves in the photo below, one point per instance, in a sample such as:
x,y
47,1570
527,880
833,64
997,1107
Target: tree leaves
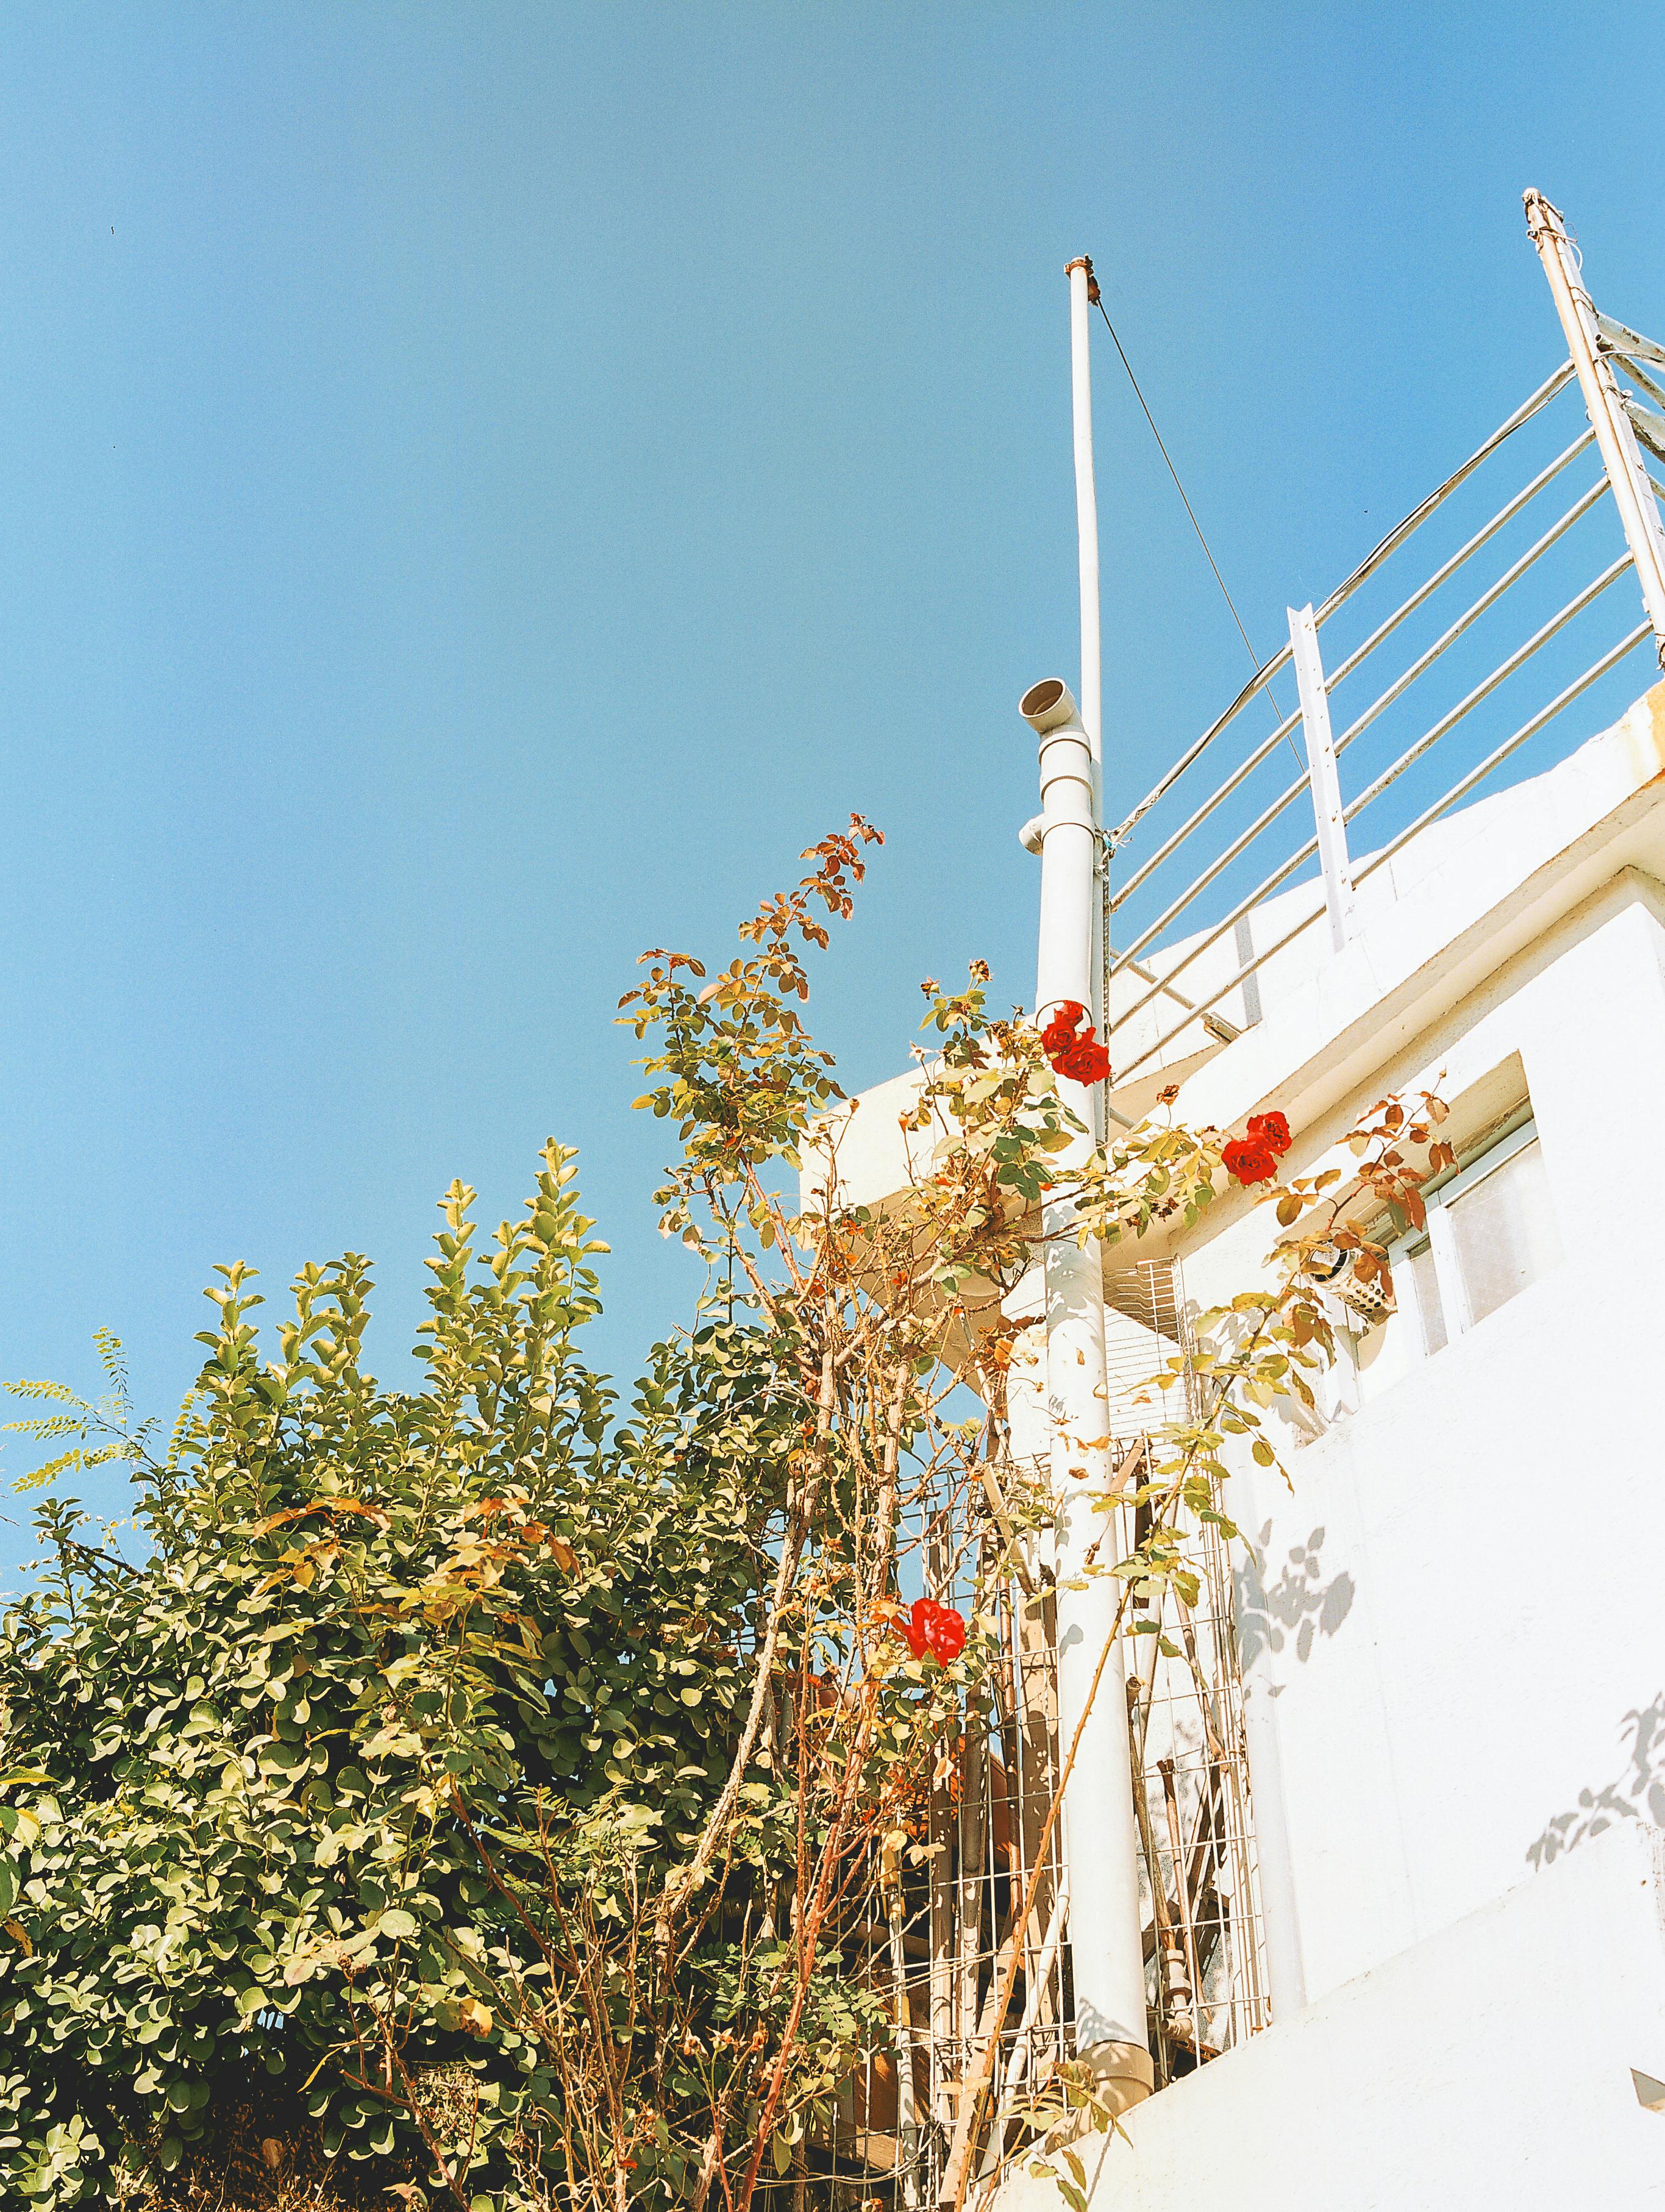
x,y
229,1770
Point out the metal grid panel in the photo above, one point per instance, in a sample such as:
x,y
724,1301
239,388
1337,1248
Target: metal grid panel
x,y
935,1944
1205,1978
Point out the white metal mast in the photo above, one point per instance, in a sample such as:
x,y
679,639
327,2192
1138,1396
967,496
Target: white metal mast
x,y
1632,494
1101,1839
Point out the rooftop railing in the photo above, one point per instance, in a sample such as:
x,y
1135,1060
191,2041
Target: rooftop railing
x,y
1195,862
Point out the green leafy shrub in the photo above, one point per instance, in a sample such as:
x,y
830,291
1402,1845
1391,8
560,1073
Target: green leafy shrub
x,y
236,1765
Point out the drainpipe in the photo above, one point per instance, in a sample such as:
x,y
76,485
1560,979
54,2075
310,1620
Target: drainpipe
x,y
1101,1839
1632,494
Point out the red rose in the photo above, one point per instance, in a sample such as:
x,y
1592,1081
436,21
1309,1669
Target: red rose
x,y
1250,1160
1059,1033
1084,1060
945,1637
1072,1050
936,1629
1271,1130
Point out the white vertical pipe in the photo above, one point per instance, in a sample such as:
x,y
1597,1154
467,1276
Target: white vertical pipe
x,y
1321,777
1101,1839
1632,494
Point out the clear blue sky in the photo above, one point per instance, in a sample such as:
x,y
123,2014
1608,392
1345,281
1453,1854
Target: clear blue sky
x,y
485,486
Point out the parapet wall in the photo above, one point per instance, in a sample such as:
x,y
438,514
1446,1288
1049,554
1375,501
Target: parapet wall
x,y
1493,2065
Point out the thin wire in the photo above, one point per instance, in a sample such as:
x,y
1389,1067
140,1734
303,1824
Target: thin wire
x,y
1255,657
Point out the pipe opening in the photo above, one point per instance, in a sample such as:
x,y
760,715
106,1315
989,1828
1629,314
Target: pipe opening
x,y
1040,697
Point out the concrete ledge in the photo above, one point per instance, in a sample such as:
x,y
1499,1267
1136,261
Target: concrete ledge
x,y
1492,2065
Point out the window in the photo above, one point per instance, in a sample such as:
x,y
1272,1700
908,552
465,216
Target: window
x,y
1491,1231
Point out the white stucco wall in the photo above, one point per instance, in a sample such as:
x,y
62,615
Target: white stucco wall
x,y
1490,2065
1463,1590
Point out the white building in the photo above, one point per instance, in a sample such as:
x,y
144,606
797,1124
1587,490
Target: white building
x,y
1451,1633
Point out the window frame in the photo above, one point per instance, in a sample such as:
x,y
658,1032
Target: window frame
x,y
1520,1131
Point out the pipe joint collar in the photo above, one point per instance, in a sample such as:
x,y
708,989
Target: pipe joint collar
x,y
1123,2073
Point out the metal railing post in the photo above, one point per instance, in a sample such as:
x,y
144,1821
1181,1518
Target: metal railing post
x,y
1321,777
1632,494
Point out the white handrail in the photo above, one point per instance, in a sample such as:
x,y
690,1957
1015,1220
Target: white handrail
x,y
1631,486
1430,737
1471,615
1395,537
1505,514
1447,722
1493,760
1495,592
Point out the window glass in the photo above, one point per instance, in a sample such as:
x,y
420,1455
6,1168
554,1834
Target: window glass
x,y
1419,1265
1489,1231
1502,1232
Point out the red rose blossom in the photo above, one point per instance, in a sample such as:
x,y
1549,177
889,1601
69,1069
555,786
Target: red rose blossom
x,y
936,1629
1071,1051
1059,1033
1250,1160
945,1637
1271,1130
1084,1060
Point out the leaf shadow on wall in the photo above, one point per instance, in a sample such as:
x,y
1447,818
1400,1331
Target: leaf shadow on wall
x,y
1637,1794
1297,1607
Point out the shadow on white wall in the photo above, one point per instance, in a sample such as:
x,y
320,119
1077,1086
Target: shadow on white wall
x,y
1297,1609
1637,1794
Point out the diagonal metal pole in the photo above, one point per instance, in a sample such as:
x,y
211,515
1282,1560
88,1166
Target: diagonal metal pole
x,y
1632,493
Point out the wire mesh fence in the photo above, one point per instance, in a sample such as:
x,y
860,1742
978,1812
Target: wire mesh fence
x,y
941,1922
1204,1978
